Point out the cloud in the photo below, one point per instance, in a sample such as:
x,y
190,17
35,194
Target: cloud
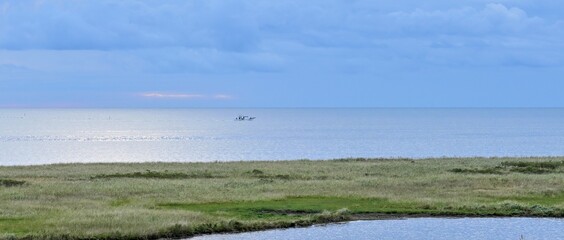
x,y
263,37
171,95
494,18
161,95
222,96
13,68
125,24
268,53
178,60
242,26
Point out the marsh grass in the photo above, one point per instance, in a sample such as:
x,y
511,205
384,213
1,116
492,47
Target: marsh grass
x,y
303,206
158,175
494,170
160,200
518,167
546,165
255,173
11,183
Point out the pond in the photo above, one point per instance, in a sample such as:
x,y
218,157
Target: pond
x,y
417,228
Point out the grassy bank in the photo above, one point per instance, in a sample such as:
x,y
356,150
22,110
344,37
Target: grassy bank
x,y
156,200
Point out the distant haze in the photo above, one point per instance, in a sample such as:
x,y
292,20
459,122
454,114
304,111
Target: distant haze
x,y
252,53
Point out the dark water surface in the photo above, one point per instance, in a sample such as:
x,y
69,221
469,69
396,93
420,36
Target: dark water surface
x,y
418,228
39,136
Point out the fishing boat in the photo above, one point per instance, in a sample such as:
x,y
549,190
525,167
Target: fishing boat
x,y
244,118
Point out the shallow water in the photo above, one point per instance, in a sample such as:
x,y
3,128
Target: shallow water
x,y
418,228
39,136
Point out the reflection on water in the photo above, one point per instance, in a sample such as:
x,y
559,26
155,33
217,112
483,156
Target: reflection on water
x,y
418,228
39,136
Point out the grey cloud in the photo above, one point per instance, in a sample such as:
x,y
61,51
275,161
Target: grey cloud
x,y
12,68
492,19
240,26
123,25
178,60
214,36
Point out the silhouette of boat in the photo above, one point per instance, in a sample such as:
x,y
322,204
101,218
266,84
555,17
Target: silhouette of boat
x,y
244,118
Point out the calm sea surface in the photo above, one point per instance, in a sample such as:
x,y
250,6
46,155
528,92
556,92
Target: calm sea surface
x,y
418,228
39,136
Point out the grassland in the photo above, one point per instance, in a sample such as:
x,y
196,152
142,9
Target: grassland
x,y
171,200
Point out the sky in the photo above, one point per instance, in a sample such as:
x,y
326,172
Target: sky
x,y
287,53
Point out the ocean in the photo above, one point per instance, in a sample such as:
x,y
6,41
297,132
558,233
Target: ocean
x,y
46,136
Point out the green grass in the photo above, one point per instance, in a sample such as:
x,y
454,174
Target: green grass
x,y
159,200
517,166
11,183
289,207
301,206
158,175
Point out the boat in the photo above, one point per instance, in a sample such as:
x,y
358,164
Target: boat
x,y
244,118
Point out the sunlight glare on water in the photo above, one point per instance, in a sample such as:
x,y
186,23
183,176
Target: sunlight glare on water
x,y
40,136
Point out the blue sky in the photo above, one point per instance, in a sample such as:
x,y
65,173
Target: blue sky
x,y
290,53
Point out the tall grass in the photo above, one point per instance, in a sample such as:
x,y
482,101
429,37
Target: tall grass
x,y
146,200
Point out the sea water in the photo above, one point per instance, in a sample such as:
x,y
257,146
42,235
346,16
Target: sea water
x,y
43,136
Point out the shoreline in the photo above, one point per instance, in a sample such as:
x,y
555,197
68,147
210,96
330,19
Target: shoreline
x,y
548,157
374,217
180,200
369,217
